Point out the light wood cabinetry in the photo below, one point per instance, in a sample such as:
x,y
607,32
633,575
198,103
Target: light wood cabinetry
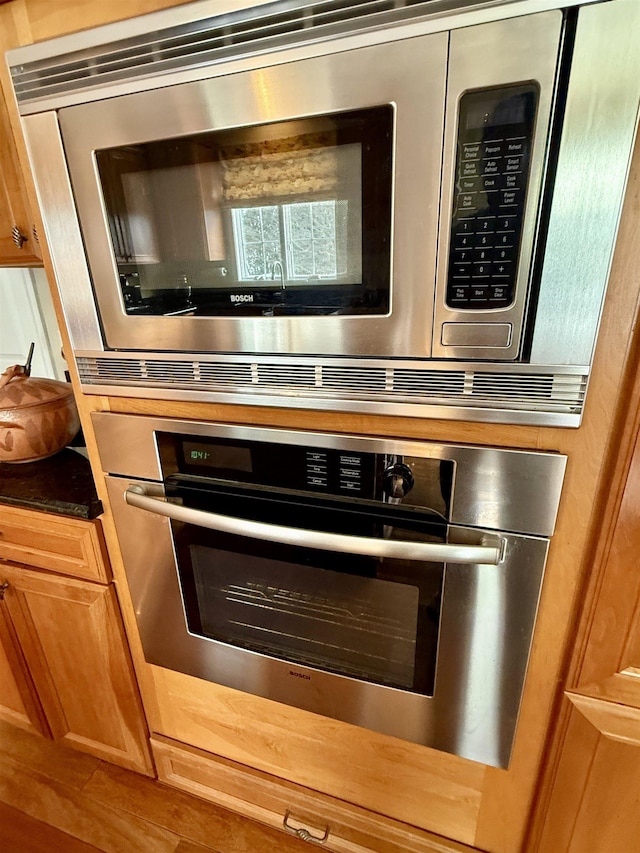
x,y
65,668
336,824
589,803
18,243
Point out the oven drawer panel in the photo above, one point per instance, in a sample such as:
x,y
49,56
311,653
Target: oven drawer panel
x,y
66,545
441,795
337,825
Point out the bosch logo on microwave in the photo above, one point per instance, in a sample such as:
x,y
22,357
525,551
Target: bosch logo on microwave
x,y
241,297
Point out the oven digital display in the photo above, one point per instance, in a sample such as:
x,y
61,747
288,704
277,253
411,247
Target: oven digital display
x,y
220,456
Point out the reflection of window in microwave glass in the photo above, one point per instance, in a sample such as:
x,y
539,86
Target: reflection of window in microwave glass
x,y
307,238
298,219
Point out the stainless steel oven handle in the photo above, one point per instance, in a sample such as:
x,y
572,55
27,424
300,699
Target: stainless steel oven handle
x,y
423,551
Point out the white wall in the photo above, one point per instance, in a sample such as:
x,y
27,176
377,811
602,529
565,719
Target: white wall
x,y
26,315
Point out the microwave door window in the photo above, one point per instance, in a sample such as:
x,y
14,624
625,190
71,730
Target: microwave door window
x,y
282,219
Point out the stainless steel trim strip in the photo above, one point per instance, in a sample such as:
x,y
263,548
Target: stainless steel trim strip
x,y
398,550
490,392
597,141
89,57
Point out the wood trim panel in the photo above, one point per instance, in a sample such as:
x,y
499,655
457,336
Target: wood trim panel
x,y
617,722
61,544
267,799
438,792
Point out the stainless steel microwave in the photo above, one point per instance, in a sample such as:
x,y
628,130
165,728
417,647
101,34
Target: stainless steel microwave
x,y
403,207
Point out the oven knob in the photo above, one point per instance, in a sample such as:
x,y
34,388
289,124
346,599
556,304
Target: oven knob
x,y
397,481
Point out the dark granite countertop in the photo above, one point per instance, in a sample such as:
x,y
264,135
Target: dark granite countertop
x,y
62,484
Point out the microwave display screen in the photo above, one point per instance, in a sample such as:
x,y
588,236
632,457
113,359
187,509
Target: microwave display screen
x,y
492,173
288,218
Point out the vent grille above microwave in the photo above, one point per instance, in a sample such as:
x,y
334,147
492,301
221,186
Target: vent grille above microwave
x,y
169,47
541,398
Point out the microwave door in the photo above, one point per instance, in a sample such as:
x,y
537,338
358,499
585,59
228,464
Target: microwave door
x,y
219,219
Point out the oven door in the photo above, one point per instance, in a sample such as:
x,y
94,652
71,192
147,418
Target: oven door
x,y
408,627
220,215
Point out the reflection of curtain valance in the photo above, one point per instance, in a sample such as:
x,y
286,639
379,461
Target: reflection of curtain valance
x,y
278,168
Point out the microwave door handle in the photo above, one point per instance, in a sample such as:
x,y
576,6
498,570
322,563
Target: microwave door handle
x,y
421,551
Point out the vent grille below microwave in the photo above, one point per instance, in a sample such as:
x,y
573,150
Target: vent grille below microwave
x,y
158,49
330,386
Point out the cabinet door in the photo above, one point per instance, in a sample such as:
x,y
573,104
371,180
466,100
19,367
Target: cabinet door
x,y
74,645
19,701
593,778
18,243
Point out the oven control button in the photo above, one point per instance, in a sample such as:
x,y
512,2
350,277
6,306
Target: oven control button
x,y
397,480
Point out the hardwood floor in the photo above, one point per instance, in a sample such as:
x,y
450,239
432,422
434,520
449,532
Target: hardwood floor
x,y
56,800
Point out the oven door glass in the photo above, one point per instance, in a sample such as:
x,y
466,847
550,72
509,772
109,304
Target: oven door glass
x,y
287,218
371,618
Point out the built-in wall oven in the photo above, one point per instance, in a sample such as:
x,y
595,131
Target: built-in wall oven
x,y
389,584
403,206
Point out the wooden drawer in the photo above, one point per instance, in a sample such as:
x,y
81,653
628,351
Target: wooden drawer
x,y
70,546
337,825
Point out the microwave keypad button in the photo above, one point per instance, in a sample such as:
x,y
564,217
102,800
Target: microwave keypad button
x,y
491,167
492,182
471,185
506,253
486,224
515,147
482,255
481,269
462,270
476,334
481,293
512,164
470,169
467,202
492,148
509,198
460,294
498,294
465,226
501,270
471,151
506,223
463,241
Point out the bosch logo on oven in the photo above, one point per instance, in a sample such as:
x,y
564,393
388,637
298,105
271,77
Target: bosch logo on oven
x,y
241,297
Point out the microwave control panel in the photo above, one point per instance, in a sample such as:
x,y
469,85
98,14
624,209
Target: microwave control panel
x,y
495,132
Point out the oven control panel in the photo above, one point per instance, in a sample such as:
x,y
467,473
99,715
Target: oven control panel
x,y
331,471
492,169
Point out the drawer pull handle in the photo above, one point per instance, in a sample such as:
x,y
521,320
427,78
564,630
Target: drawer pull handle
x,y
3,587
302,832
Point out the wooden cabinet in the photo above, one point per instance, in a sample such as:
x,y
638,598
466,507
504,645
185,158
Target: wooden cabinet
x,y
18,241
337,825
64,661
590,802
